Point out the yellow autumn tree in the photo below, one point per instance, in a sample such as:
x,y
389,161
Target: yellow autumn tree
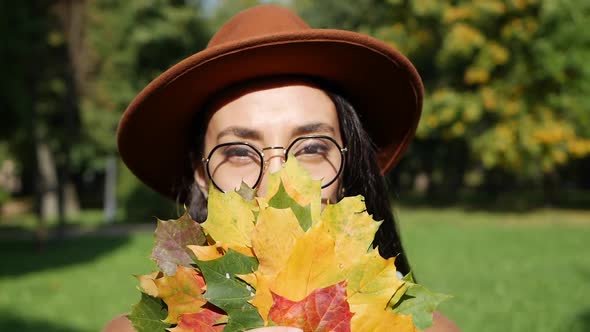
x,y
506,80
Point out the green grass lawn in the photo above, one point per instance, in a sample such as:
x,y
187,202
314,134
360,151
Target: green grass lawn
x,y
507,272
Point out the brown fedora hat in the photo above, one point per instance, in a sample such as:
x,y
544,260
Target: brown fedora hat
x,y
265,41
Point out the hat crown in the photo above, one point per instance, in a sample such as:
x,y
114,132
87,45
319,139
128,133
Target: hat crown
x,y
258,21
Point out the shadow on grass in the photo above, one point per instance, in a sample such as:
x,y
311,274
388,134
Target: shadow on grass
x,y
581,322
21,257
10,322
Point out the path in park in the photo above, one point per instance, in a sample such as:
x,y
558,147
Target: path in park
x,y
73,231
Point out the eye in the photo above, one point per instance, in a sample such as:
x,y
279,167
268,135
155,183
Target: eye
x,y
311,149
240,154
237,152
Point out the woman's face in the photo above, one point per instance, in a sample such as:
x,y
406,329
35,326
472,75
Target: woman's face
x,y
268,115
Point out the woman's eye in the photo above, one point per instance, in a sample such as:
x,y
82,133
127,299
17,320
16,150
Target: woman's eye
x,y
238,152
312,149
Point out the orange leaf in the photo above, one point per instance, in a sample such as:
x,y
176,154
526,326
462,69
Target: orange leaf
x,y
146,283
325,309
206,253
181,292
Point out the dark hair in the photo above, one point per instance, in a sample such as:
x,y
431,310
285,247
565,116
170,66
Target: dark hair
x,y
361,176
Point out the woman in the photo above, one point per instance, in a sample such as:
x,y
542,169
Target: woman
x,y
267,87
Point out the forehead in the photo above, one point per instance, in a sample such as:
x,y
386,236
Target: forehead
x,y
272,107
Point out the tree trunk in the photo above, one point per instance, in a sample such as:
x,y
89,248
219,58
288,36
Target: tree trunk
x,y
110,186
49,198
71,14
71,202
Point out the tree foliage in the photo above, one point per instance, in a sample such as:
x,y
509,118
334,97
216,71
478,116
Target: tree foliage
x,y
506,80
131,43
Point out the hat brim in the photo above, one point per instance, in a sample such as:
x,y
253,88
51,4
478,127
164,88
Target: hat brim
x,y
382,84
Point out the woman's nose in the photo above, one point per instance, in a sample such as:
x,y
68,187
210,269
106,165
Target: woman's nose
x,y
273,164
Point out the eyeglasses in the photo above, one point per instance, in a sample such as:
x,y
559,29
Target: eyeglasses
x,y
230,164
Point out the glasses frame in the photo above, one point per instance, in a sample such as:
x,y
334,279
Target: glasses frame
x,y
260,153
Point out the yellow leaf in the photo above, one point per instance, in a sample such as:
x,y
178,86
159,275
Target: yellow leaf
x,y
273,239
312,265
371,285
249,278
381,319
229,228
262,300
246,251
372,281
352,228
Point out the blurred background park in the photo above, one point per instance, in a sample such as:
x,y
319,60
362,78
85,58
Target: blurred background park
x,y
493,198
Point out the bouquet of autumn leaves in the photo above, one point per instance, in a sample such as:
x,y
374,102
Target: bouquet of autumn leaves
x,y
277,260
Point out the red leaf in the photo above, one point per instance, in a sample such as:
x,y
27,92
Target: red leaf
x,y
203,321
325,309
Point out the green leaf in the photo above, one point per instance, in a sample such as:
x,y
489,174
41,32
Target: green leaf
x,y
172,238
246,192
147,315
409,278
282,200
420,303
229,293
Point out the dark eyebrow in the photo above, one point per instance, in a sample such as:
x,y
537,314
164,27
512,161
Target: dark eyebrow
x,y
241,132
314,128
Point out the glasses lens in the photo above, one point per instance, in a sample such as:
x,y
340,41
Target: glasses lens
x,y
321,157
230,165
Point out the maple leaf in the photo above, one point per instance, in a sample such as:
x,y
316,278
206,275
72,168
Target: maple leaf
x,y
382,320
181,292
262,299
298,185
230,218
147,284
172,237
204,321
352,228
206,253
420,303
147,314
325,309
282,200
277,260
311,265
246,192
227,292
372,282
273,239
